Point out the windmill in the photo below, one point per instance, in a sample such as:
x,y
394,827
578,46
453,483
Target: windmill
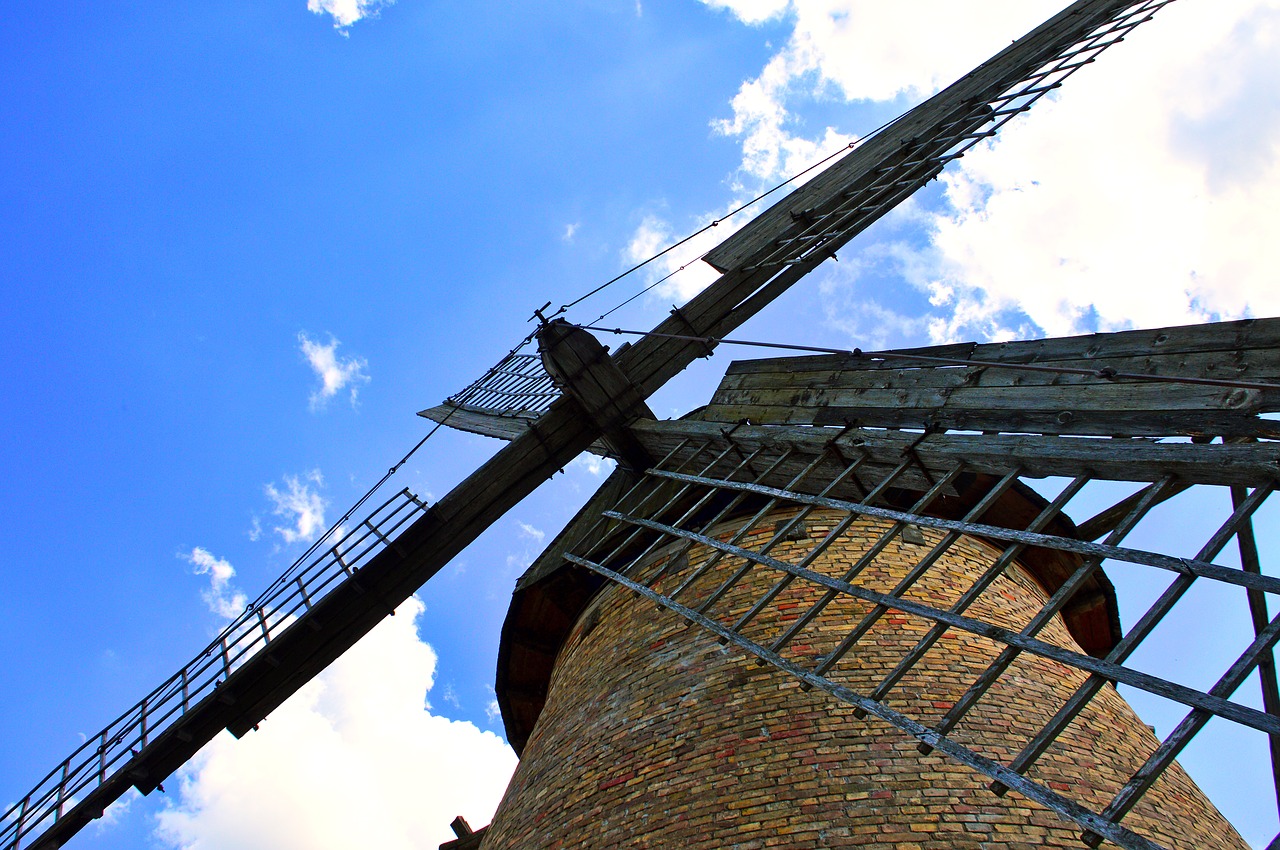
x,y
815,447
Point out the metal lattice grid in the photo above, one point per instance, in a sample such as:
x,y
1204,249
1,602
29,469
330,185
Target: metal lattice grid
x,y
896,481
102,762
517,386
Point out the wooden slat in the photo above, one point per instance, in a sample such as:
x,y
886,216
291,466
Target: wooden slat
x,y
1244,464
490,424
1188,423
1244,335
866,390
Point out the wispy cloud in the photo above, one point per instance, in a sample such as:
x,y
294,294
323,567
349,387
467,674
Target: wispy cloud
x,y
528,532
532,540
347,12
594,465
325,768
335,374
222,599
570,231
300,504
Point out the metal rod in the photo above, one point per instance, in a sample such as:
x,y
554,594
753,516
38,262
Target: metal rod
x,y
1018,642
907,581
863,562
1099,551
742,531
1047,612
737,576
976,589
1131,641
720,514
953,361
1031,790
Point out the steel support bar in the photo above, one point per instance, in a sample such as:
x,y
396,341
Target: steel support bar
x,y
1031,790
1131,641
865,560
971,594
1210,703
1100,551
914,574
1047,612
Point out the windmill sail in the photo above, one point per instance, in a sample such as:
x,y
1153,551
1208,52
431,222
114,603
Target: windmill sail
x,y
882,567
759,262
548,430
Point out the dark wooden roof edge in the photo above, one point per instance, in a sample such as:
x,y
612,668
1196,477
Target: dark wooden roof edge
x,y
523,630
551,595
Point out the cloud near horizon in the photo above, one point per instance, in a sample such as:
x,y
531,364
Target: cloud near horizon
x,y
325,769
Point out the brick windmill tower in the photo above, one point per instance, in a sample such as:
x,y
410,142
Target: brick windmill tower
x,y
858,599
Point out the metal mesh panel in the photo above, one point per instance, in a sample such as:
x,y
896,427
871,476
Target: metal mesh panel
x,y
517,386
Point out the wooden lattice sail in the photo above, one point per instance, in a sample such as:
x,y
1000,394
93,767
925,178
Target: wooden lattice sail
x,y
916,577
814,453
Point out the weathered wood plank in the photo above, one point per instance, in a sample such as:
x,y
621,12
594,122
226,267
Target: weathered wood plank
x,y
1101,396
1254,366
490,424
1242,335
834,389
1061,422
1245,464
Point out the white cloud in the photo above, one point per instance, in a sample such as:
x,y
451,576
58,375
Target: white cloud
x,y
335,375
1163,214
527,531
751,11
221,597
300,505
351,747
594,465
686,276
347,12
1145,195
570,231
116,812
531,543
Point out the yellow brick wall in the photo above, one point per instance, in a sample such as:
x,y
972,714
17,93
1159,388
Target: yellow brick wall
x,y
655,736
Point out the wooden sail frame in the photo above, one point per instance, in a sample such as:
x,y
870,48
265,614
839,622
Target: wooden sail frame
x,y
759,264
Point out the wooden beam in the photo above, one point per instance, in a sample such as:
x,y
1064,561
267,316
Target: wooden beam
x,y
582,366
1200,380
1243,464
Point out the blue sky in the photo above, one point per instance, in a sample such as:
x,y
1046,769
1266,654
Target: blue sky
x,y
206,209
